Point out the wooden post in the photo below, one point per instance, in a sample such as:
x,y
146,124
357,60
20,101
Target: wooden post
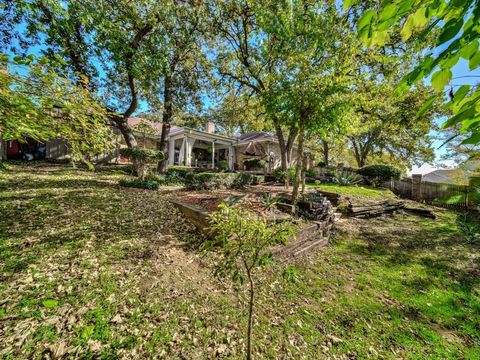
x,y
417,187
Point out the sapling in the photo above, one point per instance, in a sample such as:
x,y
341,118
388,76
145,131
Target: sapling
x,y
245,240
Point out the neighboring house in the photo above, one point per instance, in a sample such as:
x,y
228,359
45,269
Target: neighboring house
x,y
190,147
447,176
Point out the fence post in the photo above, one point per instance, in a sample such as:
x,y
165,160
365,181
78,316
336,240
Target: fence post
x,y
417,187
473,196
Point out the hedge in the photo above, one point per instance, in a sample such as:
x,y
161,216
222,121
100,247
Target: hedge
x,y
150,185
378,174
211,181
178,171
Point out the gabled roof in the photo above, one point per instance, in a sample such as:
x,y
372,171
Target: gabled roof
x,y
446,176
156,126
257,136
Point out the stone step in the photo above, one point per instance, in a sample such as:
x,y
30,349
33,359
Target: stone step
x,y
310,245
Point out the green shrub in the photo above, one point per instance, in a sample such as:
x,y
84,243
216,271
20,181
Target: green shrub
x,y
176,174
211,181
245,179
322,164
148,155
254,164
310,173
378,174
140,159
180,171
279,174
150,185
223,165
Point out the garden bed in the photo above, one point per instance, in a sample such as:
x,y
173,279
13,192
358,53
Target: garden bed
x,y
197,206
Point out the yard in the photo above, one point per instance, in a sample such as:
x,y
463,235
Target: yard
x,y
93,270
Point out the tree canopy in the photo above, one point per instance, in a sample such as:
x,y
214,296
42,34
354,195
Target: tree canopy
x,y
455,25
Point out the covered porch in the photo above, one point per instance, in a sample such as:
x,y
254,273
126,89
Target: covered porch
x,y
199,149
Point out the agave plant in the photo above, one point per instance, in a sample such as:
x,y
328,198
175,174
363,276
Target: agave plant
x,y
347,180
269,201
234,200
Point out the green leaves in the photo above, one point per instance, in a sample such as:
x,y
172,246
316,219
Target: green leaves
x,y
441,78
449,17
348,3
49,303
37,102
427,106
450,30
414,22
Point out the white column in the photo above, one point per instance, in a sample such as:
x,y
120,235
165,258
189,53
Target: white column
x,y
188,151
231,157
171,152
213,154
181,155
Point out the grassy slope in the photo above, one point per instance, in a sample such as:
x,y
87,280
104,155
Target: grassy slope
x,y
121,283
358,193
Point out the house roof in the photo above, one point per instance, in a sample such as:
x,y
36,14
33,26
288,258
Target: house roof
x,y
248,138
156,126
446,176
257,136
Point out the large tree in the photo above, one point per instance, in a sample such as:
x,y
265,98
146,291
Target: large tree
x,y
244,59
182,69
454,25
388,125
106,46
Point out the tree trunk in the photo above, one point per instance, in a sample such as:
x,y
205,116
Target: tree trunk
x,y
250,314
304,167
283,146
127,132
298,172
326,150
357,152
166,120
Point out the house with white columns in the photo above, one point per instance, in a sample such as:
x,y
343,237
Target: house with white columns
x,y
203,149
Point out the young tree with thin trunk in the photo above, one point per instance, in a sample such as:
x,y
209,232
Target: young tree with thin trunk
x,y
245,240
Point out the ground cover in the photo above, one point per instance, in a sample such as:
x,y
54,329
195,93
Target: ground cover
x,y
93,270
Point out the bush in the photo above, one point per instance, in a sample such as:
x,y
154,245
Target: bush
x,y
150,185
279,174
378,174
140,159
322,164
310,173
176,174
211,181
223,165
254,164
245,179
148,155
